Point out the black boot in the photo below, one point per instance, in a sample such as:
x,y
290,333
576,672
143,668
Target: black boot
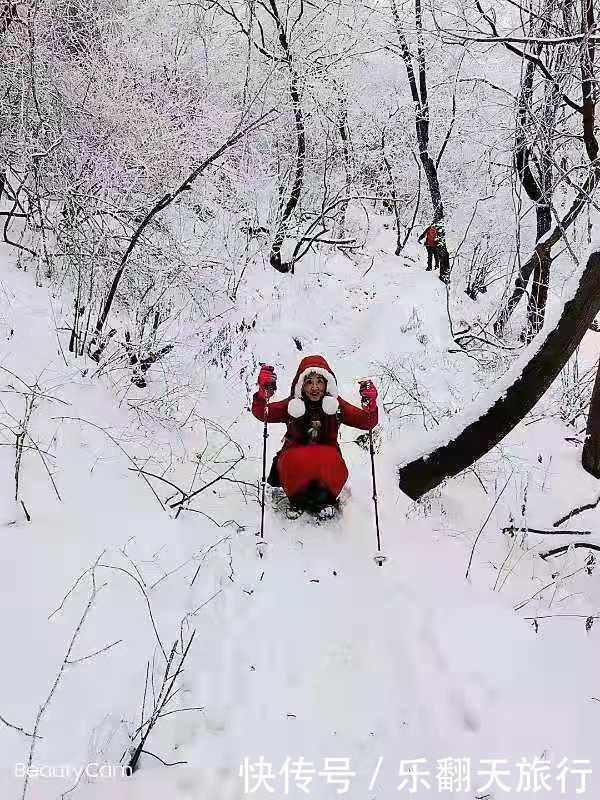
x,y
317,497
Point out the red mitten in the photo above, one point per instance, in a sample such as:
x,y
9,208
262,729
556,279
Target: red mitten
x,y
267,381
368,395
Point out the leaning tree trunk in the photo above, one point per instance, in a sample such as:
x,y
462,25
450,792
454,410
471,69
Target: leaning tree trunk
x,y
482,434
590,458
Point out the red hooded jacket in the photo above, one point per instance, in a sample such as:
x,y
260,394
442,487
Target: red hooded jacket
x,y
333,410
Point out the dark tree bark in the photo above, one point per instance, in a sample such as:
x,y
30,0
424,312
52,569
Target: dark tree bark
x,y
344,132
294,196
420,98
8,15
481,435
588,90
590,457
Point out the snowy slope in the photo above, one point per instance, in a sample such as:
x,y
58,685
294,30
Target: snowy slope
x,y
313,651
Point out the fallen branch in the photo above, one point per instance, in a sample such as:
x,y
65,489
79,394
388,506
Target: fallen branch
x,y
575,511
558,550
513,396
203,488
547,533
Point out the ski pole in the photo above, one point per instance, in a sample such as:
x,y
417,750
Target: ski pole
x,y
261,542
378,558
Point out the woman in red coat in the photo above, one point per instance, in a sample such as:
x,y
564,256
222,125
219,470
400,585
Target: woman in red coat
x,y
310,466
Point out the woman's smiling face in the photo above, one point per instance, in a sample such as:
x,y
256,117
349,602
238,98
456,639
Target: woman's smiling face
x,y
314,387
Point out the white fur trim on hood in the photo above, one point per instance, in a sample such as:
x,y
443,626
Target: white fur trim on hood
x,y
331,382
296,408
330,404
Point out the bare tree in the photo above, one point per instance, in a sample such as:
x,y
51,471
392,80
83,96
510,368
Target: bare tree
x,y
536,138
536,171
420,95
97,344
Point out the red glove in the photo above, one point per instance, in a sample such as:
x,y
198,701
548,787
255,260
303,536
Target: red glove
x,y
368,395
267,381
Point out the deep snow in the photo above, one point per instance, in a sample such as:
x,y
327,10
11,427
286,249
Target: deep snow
x,y
313,651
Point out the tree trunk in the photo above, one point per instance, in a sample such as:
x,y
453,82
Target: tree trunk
x,y
482,434
536,305
8,14
294,197
393,194
588,90
590,458
344,132
419,93
533,159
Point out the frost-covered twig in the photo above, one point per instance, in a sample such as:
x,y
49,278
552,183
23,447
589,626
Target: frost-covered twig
x,y
166,693
17,728
143,591
485,522
118,444
523,603
44,707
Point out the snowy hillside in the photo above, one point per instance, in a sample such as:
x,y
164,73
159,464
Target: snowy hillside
x,y
313,652
194,195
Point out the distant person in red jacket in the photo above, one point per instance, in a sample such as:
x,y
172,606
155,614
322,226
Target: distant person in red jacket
x,y
432,240
310,467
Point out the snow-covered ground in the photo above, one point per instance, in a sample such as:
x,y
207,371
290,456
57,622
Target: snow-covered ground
x,y
313,652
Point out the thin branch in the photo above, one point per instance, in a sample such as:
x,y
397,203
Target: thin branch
x,y
495,503
162,761
17,728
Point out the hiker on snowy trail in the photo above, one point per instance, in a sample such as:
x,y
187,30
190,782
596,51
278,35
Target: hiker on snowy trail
x,y
309,467
432,240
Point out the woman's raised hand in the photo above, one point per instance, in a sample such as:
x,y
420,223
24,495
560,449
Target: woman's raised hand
x,y
267,381
368,395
